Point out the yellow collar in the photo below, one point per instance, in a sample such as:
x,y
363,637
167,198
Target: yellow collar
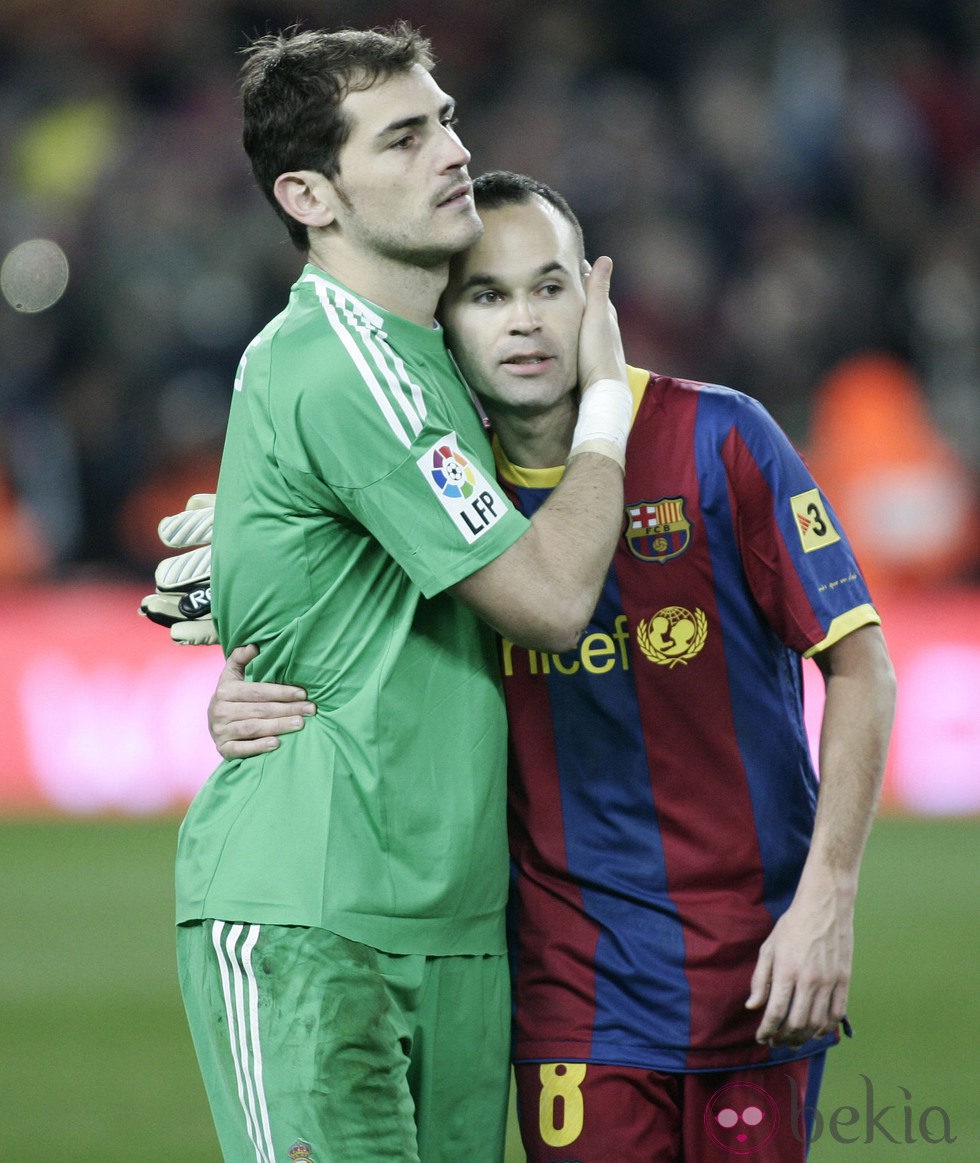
x,y
547,478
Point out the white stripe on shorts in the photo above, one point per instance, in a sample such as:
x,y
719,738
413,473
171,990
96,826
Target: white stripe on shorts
x,y
240,990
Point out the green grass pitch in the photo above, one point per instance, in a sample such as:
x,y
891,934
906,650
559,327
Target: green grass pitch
x,y
97,1065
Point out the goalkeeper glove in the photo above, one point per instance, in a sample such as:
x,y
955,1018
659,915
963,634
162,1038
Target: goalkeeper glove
x,y
183,595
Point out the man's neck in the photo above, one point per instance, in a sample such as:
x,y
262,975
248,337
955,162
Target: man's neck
x,y
397,287
536,439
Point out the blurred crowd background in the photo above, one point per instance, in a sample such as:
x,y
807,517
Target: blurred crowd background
x,y
790,190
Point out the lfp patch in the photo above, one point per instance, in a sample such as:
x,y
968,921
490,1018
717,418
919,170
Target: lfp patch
x,y
466,494
812,521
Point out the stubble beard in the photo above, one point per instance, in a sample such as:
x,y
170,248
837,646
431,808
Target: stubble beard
x,y
409,247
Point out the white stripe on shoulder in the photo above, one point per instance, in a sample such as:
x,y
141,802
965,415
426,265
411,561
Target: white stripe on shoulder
x,y
361,330
243,362
237,980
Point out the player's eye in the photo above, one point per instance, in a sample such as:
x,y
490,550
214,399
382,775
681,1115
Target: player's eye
x,y
550,290
488,298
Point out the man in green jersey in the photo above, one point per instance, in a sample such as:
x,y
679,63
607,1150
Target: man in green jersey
x,y
340,899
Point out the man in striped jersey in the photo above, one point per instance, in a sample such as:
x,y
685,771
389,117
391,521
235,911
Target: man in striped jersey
x,y
684,897
340,900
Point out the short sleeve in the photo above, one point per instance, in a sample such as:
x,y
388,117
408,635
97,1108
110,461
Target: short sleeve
x,y
413,466
795,553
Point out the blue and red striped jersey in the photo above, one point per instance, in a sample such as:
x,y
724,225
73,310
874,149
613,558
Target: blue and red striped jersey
x,y
662,793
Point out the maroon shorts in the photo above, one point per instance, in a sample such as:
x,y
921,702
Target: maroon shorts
x,y
573,1112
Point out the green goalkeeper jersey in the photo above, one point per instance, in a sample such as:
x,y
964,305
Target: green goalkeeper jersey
x,y
355,488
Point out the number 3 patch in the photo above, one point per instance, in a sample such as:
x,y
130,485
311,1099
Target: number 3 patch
x,y
815,527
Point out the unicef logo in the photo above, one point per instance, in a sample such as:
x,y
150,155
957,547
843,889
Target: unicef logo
x,y
674,635
452,473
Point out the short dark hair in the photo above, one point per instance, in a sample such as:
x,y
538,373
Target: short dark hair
x,y
293,84
503,188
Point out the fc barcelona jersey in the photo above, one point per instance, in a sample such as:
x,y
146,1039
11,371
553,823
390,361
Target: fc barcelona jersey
x,y
662,793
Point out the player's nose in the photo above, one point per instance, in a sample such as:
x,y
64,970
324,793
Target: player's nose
x,y
523,318
453,154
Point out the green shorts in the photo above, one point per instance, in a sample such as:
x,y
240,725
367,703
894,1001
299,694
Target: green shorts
x,y
316,1048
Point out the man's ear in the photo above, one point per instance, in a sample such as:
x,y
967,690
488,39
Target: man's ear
x,y
307,196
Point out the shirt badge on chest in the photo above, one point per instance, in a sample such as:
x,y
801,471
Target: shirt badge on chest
x,y
657,530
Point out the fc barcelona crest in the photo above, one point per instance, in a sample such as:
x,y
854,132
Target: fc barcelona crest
x,y
657,530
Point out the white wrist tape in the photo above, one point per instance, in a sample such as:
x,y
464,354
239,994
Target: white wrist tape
x,y
604,417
